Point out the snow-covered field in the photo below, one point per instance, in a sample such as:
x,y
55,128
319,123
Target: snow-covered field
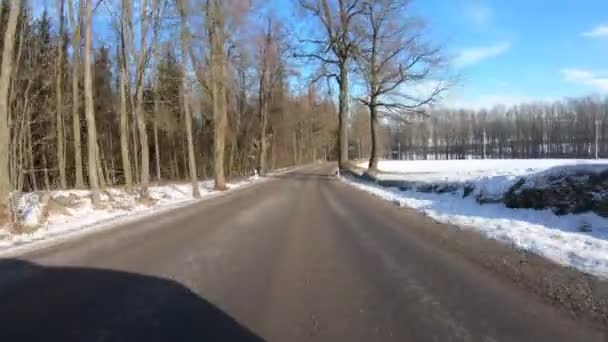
x,y
491,177
81,217
558,238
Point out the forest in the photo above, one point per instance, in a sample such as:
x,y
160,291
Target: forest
x,y
83,113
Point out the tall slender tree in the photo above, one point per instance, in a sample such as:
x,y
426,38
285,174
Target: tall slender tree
x,y
269,74
90,108
6,69
59,98
76,24
123,85
216,33
188,111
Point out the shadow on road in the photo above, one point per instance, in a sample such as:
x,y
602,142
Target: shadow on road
x,y
39,303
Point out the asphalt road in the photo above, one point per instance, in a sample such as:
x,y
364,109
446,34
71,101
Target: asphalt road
x,y
302,257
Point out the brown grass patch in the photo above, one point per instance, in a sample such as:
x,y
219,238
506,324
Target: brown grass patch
x,y
20,229
5,218
147,201
55,208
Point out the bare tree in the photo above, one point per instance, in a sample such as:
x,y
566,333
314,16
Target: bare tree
x,y
392,54
59,99
188,110
90,109
335,51
269,73
5,80
216,33
123,85
141,54
76,24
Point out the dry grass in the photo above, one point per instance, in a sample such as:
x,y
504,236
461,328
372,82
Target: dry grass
x,y
54,207
20,229
4,216
147,201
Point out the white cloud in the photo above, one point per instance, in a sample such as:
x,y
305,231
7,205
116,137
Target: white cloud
x,y
600,31
470,56
587,78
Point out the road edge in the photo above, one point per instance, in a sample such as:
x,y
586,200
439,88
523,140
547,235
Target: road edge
x,y
118,222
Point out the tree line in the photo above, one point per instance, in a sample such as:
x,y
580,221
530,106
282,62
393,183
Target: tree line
x,y
571,128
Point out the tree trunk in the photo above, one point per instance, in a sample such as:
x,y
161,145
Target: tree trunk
x,y
124,133
135,144
100,173
156,147
139,100
274,153
263,141
90,111
47,182
124,116
343,113
231,155
5,78
111,167
218,90
176,173
20,168
143,142
191,159
59,94
294,146
373,159
17,160
30,153
76,24
263,96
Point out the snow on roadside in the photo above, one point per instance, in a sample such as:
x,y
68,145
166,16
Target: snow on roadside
x,y
558,238
81,216
490,177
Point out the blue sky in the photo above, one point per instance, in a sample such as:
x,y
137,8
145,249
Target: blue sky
x,y
521,50
513,51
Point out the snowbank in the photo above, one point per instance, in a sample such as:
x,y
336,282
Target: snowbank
x,y
489,178
41,223
579,241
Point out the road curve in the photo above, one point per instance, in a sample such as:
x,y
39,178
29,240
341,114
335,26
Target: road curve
x,y
302,257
